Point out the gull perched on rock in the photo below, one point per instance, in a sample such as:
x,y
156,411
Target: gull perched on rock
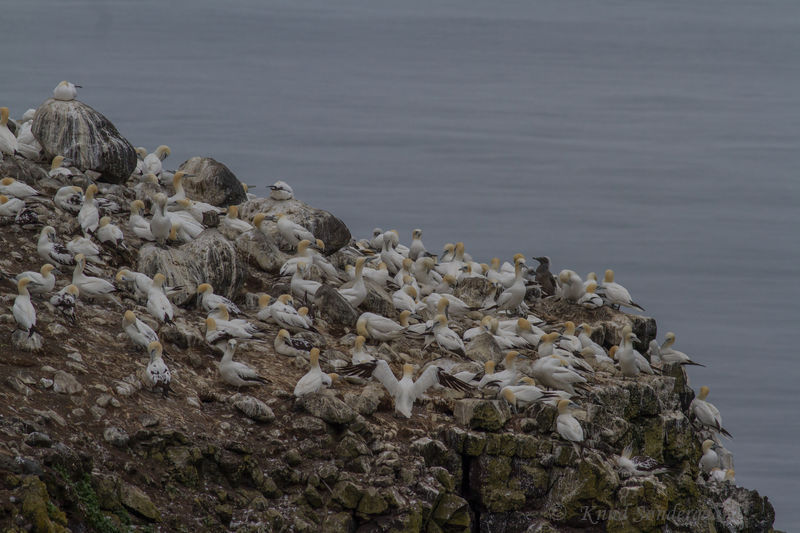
x,y
315,379
406,391
235,373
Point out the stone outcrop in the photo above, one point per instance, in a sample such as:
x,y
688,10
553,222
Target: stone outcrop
x,y
212,182
85,137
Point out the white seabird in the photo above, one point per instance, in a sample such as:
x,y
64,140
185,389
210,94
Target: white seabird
x,y
669,355
40,282
232,221
9,207
27,145
567,425
160,223
235,373
315,379
706,413
357,292
140,333
85,246
590,299
301,287
152,162
65,301
69,198
554,372
139,225
89,216
639,465
17,189
210,301
513,297
157,375
90,286
23,310
446,338
616,294
281,191
360,353
285,315
8,141
521,396
177,184
65,91
291,347
380,328
406,391
292,232
158,304
710,459
110,234
417,248
62,173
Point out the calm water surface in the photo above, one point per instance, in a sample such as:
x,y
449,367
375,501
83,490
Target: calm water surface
x,y
657,138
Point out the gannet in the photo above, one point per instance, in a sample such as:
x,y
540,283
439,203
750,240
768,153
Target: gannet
x,y
89,216
17,189
247,193
497,275
710,459
27,145
301,287
417,248
291,347
209,300
140,333
378,327
554,372
512,298
308,256
138,225
616,294
292,232
141,153
360,353
23,310
235,373
719,475
192,212
10,207
83,245
571,285
65,91
183,217
426,277
405,299
90,286
60,172
406,391
529,332
405,270
669,355
315,379
40,282
590,300
357,292
567,340
521,396
543,277
157,375
446,338
379,274
8,141
51,250
391,257
160,223
231,220
152,162
639,465
547,346
627,359
456,307
158,304
141,282
510,375
591,347
217,336
286,316
110,234
265,308
567,425
177,184
706,413
506,338
65,300
280,190
241,327
485,327
69,198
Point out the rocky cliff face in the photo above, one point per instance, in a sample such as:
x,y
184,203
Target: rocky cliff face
x,y
85,447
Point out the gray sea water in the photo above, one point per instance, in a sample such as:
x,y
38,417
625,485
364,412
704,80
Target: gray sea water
x,y
659,138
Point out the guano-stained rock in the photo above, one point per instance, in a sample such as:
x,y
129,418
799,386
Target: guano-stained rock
x,y
212,182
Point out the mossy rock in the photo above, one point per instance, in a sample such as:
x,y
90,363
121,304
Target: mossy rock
x,y
135,499
453,511
38,509
372,502
346,494
501,444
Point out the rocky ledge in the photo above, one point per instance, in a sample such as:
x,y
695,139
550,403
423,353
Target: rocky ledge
x,y
85,447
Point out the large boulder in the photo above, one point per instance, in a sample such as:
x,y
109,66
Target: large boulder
x,y
334,308
322,224
85,137
261,250
212,182
210,258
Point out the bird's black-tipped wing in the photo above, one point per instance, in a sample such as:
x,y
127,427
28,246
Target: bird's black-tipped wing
x,y
363,370
452,382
